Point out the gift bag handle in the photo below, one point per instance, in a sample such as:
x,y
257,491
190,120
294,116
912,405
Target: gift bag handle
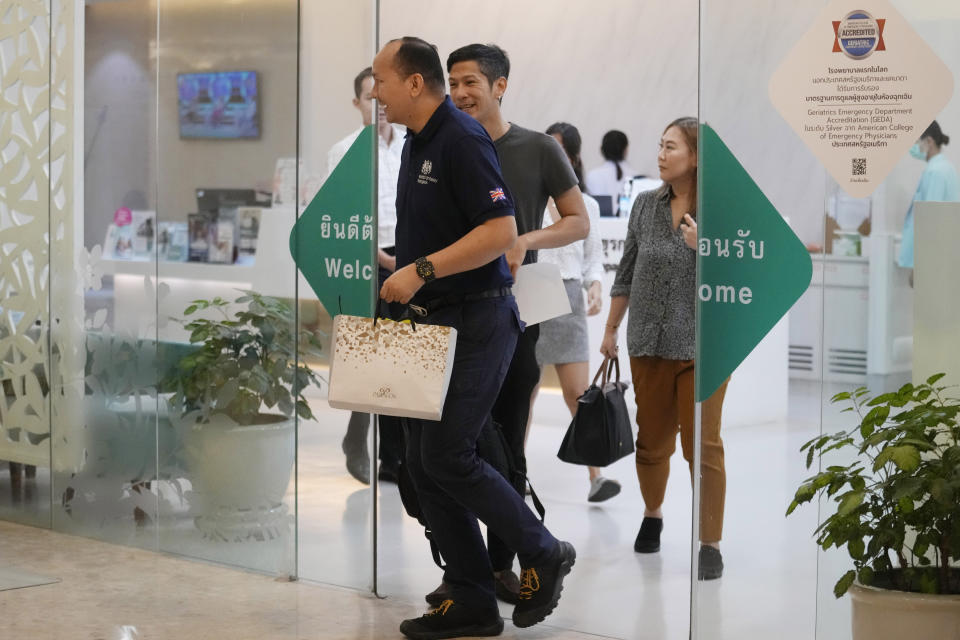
x,y
382,311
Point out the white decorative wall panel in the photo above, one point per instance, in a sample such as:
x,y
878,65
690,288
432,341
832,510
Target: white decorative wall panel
x,y
24,230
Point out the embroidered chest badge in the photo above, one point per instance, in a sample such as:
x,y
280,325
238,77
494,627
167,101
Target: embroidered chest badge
x,y
426,168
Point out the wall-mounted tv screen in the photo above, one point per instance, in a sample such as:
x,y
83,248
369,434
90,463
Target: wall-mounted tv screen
x,y
219,104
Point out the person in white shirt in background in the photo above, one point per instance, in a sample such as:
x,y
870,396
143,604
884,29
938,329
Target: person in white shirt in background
x,y
609,178
564,341
390,141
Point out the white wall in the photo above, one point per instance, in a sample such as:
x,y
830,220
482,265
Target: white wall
x,y
119,112
610,64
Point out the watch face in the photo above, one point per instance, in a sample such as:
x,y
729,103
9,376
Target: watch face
x,y
425,269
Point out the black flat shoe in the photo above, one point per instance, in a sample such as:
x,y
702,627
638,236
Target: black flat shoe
x,y
710,564
648,539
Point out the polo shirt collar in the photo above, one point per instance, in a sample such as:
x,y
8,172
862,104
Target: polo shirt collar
x,y
433,124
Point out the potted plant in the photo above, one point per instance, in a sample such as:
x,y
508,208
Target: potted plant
x,y
898,509
237,396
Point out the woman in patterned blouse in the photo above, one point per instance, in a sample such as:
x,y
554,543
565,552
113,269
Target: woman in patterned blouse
x,y
656,280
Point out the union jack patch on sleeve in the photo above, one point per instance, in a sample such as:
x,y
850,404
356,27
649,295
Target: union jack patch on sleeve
x,y
497,195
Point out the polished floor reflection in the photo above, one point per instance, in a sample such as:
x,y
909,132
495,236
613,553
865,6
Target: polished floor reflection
x,y
769,588
109,592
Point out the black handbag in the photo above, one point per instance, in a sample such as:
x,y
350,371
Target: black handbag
x,y
600,432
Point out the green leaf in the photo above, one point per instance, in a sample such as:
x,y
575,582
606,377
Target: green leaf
x,y
189,310
844,583
850,501
907,488
935,378
856,548
843,395
866,576
906,457
905,504
883,399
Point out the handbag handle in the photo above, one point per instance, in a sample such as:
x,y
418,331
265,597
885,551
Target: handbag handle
x,y
614,362
606,368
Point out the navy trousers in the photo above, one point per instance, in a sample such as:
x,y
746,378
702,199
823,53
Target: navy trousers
x,y
454,485
512,411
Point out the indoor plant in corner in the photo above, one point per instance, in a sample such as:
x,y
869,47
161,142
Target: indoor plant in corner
x,y
237,395
898,510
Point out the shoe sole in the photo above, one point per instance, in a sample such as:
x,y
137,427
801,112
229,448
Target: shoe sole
x,y
606,492
534,616
655,549
710,575
474,631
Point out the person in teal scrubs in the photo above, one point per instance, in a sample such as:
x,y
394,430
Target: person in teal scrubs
x,y
939,183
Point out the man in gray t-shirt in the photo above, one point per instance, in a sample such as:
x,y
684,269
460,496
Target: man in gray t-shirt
x,y
535,168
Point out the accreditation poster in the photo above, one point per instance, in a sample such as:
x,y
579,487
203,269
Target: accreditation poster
x,y
859,88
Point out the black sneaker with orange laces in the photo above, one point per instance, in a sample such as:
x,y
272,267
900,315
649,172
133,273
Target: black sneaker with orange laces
x,y
540,587
452,620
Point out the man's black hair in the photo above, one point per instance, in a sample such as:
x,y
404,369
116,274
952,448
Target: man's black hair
x,y
358,81
416,55
492,60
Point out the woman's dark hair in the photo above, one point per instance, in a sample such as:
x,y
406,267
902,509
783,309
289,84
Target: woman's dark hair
x,y
690,129
572,144
416,55
614,148
492,60
935,133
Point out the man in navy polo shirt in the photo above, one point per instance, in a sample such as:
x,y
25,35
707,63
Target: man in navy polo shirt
x,y
455,221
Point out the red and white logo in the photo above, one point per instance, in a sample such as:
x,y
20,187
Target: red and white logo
x,y
497,194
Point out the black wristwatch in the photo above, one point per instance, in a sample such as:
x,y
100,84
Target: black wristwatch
x,y
425,270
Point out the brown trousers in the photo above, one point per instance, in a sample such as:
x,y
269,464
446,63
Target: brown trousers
x,y
664,391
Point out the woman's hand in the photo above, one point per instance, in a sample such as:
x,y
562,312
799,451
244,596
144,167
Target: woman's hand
x,y
689,228
594,298
609,346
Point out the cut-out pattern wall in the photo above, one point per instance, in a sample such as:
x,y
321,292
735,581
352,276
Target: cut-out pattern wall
x,y
24,229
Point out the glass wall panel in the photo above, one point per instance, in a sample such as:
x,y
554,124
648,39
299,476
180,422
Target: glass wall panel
x,y
104,401
336,459
773,399
25,216
226,323
865,320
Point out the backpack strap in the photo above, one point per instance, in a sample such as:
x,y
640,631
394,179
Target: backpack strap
x,y
434,549
541,510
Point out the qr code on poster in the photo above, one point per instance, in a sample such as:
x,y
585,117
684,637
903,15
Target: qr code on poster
x,y
859,166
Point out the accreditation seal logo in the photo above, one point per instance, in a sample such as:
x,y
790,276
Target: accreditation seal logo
x,y
858,35
427,167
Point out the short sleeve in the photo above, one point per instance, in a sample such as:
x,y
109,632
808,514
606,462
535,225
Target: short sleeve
x,y
476,180
556,169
